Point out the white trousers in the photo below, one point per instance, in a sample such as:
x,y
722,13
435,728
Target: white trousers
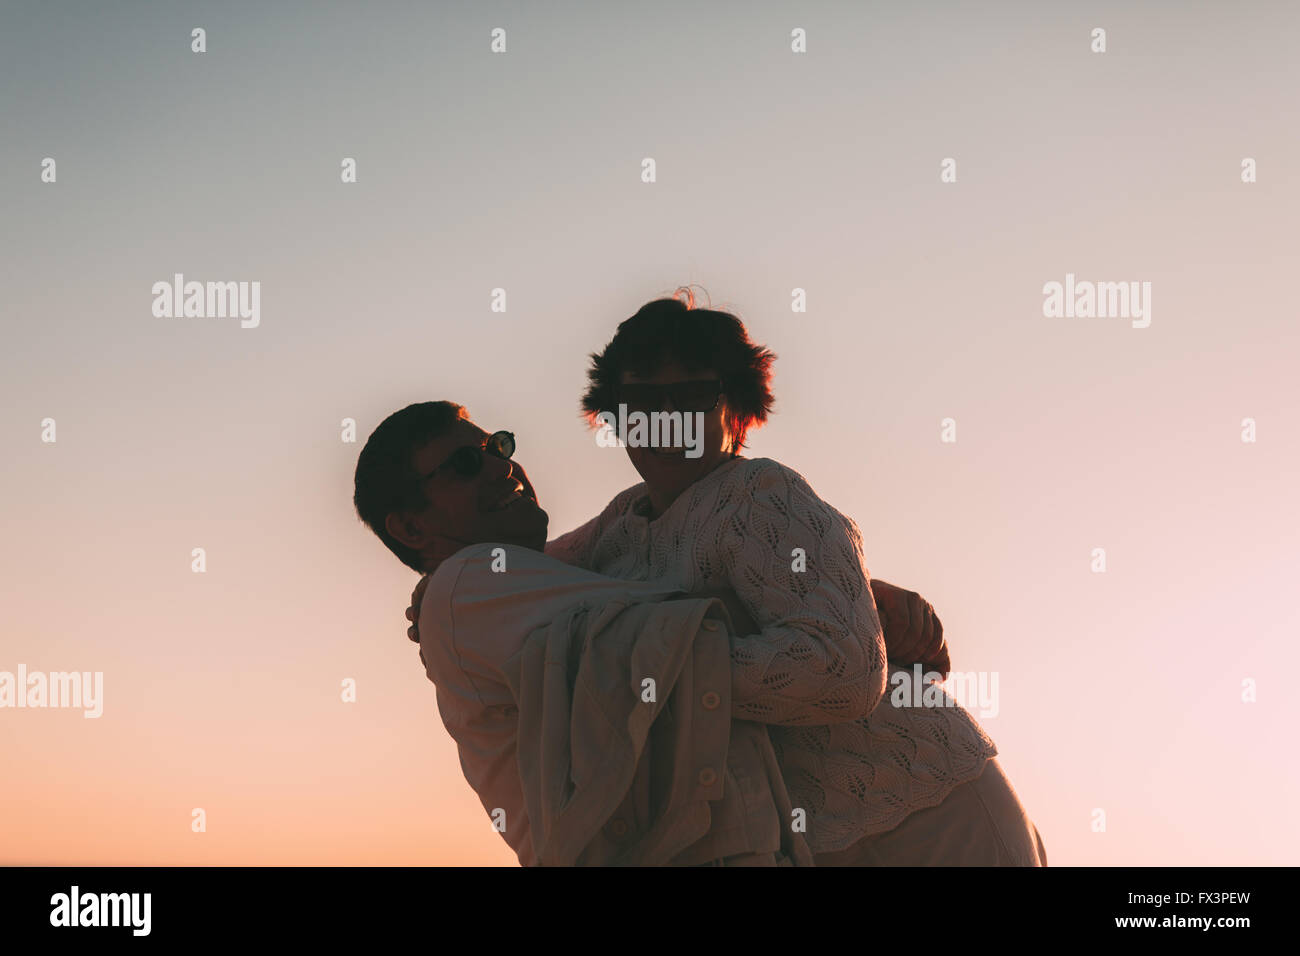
x,y
981,823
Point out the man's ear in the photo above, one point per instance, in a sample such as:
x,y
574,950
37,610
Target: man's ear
x,y
407,529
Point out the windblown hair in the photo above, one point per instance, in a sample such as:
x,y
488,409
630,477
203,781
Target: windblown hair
x,y
666,329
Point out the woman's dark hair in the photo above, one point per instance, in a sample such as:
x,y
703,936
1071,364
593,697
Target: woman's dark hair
x,y
666,329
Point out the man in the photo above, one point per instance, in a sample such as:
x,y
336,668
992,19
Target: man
x,y
630,755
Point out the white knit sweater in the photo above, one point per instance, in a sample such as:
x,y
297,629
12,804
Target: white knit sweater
x,y
817,673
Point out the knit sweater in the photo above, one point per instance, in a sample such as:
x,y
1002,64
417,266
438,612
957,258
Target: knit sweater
x,y
816,674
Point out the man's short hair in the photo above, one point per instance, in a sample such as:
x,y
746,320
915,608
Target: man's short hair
x,y
665,329
386,480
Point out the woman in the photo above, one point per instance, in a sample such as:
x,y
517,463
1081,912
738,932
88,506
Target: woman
x,y
880,784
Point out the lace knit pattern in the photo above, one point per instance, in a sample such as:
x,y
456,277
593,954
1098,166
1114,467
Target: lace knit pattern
x,y
817,674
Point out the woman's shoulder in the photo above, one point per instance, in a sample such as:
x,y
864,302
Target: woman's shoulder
x,y
768,473
625,500
772,481
572,546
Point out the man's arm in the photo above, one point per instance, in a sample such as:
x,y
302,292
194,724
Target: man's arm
x,y
497,594
913,631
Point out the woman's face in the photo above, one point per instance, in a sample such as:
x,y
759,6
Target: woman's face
x,y
668,471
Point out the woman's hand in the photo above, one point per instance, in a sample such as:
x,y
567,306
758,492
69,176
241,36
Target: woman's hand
x,y
413,612
913,632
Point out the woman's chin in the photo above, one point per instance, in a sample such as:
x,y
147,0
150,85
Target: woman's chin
x,y
669,475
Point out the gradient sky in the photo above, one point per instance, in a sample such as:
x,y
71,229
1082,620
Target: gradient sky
x,y
1119,691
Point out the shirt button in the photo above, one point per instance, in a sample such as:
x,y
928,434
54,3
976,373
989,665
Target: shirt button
x,y
711,700
710,625
707,777
618,829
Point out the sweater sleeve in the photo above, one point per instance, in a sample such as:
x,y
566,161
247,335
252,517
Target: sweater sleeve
x,y
797,564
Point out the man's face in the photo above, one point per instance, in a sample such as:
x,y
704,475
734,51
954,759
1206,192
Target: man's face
x,y
497,504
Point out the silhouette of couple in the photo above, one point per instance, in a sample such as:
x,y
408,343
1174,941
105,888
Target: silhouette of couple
x,y
697,675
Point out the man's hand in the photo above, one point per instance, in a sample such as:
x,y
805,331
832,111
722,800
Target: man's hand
x,y
913,632
413,612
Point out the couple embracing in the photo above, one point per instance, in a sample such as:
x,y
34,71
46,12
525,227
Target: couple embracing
x,y
698,675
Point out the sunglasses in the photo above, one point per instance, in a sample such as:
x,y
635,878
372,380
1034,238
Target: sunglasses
x,y
695,396
467,461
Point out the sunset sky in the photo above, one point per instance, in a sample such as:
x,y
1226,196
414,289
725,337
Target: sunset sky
x,y
1120,691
